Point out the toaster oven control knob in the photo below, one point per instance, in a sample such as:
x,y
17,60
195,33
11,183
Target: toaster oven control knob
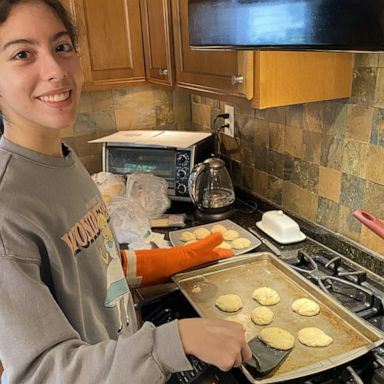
x,y
181,174
182,159
181,189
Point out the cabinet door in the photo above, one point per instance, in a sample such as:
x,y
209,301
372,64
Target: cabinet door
x,y
219,73
157,39
285,78
110,42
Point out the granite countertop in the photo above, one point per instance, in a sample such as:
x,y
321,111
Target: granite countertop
x,y
247,211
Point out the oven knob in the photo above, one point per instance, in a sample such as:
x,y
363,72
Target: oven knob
x,y
182,159
181,174
182,189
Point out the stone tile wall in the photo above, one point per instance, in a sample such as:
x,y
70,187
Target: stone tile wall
x,y
142,107
319,161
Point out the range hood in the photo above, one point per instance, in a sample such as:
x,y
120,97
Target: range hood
x,y
324,25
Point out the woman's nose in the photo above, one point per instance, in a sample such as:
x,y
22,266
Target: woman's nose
x,y
53,68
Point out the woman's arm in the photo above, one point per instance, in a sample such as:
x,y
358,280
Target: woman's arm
x,y
38,344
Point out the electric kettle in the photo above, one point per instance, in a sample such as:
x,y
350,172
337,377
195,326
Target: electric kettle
x,y
211,190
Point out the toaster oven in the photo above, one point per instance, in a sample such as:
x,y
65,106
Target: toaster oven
x,y
168,154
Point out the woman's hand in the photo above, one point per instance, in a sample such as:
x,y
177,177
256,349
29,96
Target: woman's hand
x,y
218,342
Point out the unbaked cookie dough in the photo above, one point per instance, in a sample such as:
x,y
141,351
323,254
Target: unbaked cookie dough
x,y
224,245
219,228
305,307
277,338
230,235
241,243
200,233
229,303
262,316
314,337
187,236
266,296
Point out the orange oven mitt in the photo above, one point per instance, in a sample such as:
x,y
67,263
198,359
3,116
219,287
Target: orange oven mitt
x,y
154,266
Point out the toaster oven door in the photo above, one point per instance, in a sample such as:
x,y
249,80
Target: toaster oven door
x,y
162,162
125,160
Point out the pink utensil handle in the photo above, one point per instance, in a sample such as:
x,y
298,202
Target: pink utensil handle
x,y
370,221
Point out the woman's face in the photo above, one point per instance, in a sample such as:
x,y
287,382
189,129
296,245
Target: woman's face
x,y
41,77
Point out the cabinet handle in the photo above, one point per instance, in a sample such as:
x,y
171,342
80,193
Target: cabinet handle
x,y
239,79
163,71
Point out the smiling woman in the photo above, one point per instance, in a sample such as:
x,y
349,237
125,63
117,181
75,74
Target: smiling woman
x,y
41,75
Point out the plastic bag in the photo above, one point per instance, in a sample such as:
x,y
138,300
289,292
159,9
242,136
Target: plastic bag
x,y
130,222
150,191
110,185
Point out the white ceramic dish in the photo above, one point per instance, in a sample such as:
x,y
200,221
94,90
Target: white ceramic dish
x,y
280,227
174,236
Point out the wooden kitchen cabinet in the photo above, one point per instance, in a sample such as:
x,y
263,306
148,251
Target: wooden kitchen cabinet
x,y
110,42
264,78
156,23
116,35
210,73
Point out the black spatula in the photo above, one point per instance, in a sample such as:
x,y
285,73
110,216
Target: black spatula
x,y
265,358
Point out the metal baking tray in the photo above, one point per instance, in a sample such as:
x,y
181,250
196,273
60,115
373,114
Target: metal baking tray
x,y
241,275
174,236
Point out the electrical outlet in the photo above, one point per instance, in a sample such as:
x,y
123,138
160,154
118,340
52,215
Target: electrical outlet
x,y
230,130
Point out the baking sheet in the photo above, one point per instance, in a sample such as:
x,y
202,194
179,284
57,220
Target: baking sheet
x,y
352,336
174,236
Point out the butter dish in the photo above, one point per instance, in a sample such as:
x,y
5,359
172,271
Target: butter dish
x,y
280,227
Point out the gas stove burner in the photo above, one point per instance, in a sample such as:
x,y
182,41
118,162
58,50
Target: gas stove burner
x,y
316,266
379,356
355,297
333,264
320,265
356,276
377,322
305,264
350,287
360,371
355,377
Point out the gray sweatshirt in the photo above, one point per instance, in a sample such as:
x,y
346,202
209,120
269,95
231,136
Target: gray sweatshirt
x,y
66,312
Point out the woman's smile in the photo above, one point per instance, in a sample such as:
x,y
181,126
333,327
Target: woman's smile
x,y
58,99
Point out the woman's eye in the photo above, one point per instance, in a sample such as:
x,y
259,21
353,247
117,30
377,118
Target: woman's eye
x,y
22,55
64,47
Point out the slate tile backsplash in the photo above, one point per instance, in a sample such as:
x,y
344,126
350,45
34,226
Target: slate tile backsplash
x,y
319,161
143,107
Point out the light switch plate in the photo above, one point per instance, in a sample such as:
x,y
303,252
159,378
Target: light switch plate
x,y
230,131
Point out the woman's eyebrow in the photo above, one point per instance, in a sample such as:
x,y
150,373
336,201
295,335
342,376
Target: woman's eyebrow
x,y
58,35
17,41
55,37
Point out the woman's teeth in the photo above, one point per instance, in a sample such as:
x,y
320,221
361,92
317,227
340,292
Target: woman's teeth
x,y
55,98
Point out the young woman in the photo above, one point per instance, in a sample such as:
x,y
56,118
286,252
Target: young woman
x,y
63,292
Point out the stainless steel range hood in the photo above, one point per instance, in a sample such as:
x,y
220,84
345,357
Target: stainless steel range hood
x,y
325,25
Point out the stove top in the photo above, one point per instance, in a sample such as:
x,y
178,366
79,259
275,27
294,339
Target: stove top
x,y
352,287
356,288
